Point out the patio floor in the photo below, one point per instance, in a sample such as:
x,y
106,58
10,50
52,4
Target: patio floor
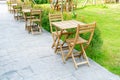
x,y
25,56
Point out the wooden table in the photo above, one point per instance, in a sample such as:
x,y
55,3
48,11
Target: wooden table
x,y
63,25
15,4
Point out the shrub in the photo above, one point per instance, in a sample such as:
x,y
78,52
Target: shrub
x,y
40,1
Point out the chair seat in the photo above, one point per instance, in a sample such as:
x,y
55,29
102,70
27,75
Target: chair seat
x,y
18,11
79,41
35,20
29,17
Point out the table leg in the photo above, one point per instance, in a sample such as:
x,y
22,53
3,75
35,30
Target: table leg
x,y
58,44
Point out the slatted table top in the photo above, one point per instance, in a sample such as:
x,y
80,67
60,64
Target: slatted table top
x,y
15,4
25,10
67,24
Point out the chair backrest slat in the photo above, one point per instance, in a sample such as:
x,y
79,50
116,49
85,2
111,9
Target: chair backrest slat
x,y
36,11
86,28
54,20
55,17
85,31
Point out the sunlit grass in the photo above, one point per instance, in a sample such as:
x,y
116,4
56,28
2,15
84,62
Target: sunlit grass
x,y
108,21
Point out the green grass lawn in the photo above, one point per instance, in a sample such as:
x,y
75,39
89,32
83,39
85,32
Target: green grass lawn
x,y
108,22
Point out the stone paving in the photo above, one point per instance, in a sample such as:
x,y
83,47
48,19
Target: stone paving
x,y
25,56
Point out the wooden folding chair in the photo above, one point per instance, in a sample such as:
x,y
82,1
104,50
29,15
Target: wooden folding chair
x,y
35,20
26,15
78,40
14,11
11,4
18,11
54,18
57,34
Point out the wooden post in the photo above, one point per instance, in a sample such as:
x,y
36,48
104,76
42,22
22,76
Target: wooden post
x,y
85,3
94,2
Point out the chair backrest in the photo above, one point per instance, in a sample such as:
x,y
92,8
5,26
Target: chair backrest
x,y
13,1
36,13
54,18
20,4
87,28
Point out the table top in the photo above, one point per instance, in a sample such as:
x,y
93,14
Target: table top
x,y
25,10
15,4
67,24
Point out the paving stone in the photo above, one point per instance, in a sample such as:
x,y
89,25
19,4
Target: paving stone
x,y
26,72
11,75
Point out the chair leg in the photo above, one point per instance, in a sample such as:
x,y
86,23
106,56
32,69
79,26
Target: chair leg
x,y
73,58
17,15
84,54
26,24
14,13
69,46
57,42
54,41
63,57
31,30
56,45
40,29
70,51
81,53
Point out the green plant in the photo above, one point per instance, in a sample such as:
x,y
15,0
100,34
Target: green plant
x,y
22,0
40,1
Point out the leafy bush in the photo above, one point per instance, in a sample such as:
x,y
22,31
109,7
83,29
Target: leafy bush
x,y
40,1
